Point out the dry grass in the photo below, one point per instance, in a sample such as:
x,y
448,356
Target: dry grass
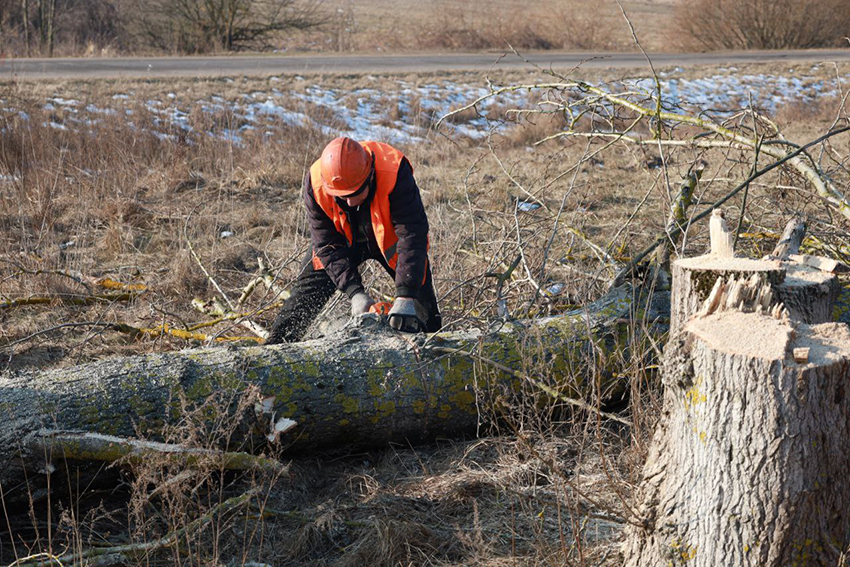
x,y
454,25
130,199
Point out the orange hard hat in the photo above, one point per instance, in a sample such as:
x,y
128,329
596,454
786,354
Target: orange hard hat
x,y
345,167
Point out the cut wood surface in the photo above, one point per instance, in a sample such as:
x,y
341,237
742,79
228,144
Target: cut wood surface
x,y
365,385
824,264
807,293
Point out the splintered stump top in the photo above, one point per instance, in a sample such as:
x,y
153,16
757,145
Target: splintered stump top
x,y
694,278
748,465
807,293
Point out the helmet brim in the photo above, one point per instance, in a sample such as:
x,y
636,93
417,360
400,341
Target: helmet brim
x,y
348,191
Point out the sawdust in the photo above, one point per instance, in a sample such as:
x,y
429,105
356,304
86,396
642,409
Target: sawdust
x,y
710,262
748,334
828,343
799,275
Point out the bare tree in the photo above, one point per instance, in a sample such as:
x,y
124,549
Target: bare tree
x,y
762,24
43,21
196,26
5,14
25,8
47,25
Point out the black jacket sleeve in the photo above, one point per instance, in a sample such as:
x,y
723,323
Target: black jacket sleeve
x,y
331,246
411,227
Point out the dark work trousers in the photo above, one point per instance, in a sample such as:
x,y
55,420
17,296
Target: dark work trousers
x,y
313,288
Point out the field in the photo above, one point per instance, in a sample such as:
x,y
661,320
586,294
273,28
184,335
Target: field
x,y
122,202
489,24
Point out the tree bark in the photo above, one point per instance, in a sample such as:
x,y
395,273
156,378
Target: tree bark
x,y
365,385
791,239
749,464
51,26
25,8
677,220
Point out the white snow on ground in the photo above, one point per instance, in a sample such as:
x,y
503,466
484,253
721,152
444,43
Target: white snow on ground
x,y
64,102
402,112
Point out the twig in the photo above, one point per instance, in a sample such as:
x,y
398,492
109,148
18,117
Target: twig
x,y
658,122
502,277
678,212
744,198
648,250
254,327
536,383
553,466
600,253
77,278
85,300
628,222
94,554
99,447
158,331
822,184
522,249
752,170
511,178
209,276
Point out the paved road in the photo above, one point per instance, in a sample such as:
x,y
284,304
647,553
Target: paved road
x,y
139,67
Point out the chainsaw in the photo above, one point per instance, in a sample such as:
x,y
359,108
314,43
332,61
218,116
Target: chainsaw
x,y
381,308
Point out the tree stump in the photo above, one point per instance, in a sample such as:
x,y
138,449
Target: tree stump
x,y
749,464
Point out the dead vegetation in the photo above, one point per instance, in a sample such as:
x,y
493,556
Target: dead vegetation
x,y
108,28
453,25
519,229
761,24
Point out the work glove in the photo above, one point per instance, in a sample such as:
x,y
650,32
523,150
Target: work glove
x,y
403,316
360,303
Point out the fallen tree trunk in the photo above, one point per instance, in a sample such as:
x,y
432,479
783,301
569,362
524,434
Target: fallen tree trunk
x,y
365,385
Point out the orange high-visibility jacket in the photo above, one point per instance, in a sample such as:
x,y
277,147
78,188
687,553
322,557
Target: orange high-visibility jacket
x,y
387,162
